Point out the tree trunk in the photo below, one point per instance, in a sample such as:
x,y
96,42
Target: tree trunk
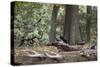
x,y
76,20
52,34
88,23
71,27
66,33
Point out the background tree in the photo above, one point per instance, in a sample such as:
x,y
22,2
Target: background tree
x,y
52,34
88,23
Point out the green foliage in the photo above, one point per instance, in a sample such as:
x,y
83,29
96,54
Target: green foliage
x,y
60,21
27,15
93,22
26,23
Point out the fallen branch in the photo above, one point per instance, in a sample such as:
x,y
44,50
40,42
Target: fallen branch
x,y
65,47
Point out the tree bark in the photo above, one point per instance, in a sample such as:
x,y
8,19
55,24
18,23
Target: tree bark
x,y
66,33
52,34
88,23
71,27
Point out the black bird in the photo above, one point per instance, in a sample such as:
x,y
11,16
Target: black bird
x,y
94,46
63,39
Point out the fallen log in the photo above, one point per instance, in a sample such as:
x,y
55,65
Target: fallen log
x,y
65,47
33,57
54,56
26,57
82,55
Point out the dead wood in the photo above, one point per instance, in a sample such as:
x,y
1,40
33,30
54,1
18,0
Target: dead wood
x,y
34,57
65,47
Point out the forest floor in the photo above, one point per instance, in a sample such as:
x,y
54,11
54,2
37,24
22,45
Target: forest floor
x,y
51,54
